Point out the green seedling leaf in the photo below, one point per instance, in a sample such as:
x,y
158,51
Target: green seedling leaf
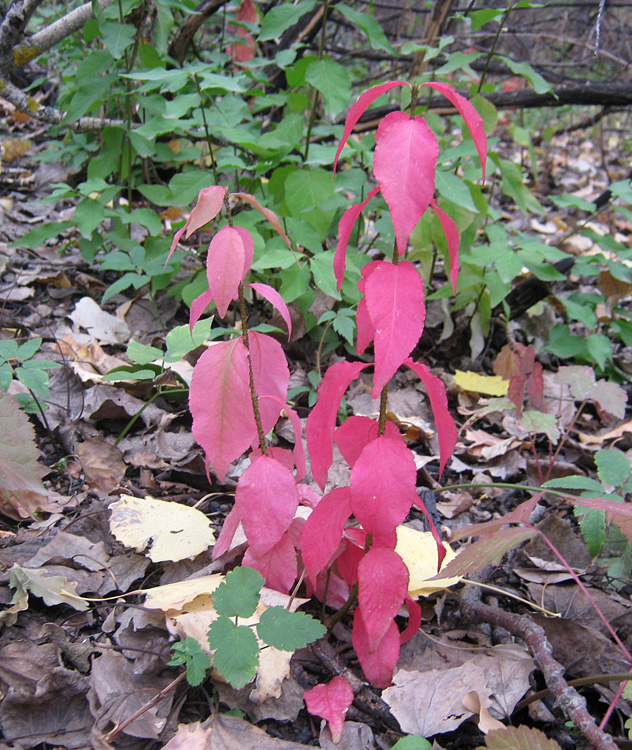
x,y
540,422
189,652
117,37
574,483
592,523
238,595
181,340
287,630
613,467
236,651
28,349
332,80
142,354
368,24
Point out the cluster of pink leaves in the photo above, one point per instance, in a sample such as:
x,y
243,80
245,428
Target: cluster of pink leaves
x,y
338,553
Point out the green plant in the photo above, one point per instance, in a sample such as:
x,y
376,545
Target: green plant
x,y
16,361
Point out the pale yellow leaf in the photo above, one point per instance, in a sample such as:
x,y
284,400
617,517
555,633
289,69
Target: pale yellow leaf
x,y
160,529
490,385
419,551
177,596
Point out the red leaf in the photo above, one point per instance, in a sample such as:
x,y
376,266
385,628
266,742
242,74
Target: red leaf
x,y
275,299
446,429
219,401
321,422
308,495
414,620
383,481
271,375
299,452
382,587
322,532
404,164
209,204
366,332
358,109
394,296
278,565
198,306
348,560
225,267
377,666
270,215
331,703
231,522
472,119
356,432
267,499
451,232
345,227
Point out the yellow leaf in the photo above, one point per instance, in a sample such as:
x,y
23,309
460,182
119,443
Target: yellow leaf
x,y
490,385
161,530
419,551
176,596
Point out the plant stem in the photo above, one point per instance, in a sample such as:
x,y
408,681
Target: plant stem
x,y
253,392
353,595
314,102
493,48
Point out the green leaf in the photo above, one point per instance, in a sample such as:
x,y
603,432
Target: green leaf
x,y
370,26
412,742
333,82
189,652
574,483
540,85
236,651
592,523
540,422
281,18
34,379
613,467
287,631
180,340
238,595
117,37
142,354
28,349
9,349
599,347
479,18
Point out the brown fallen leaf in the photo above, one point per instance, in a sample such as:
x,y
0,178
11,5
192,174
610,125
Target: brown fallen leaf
x,y
518,738
102,464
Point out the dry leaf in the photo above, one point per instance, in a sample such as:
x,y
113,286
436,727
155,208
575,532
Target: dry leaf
x,y
419,551
518,738
102,463
486,722
105,328
490,385
160,529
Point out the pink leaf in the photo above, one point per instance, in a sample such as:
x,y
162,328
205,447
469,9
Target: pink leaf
x,y
231,522
267,500
321,422
366,332
209,204
383,481
345,227
377,666
358,109
278,565
225,267
446,429
356,432
244,52
271,375
322,532
308,495
198,306
451,232
270,215
219,401
331,703
472,119
404,164
249,249
348,560
382,587
275,299
414,620
395,301
299,452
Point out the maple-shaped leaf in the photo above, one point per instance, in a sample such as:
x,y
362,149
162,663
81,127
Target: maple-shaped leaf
x,y
377,665
394,296
404,164
446,428
356,432
269,215
288,631
220,403
358,109
236,651
331,702
382,588
271,375
322,531
239,593
267,499
383,481
321,423
274,298
471,116
452,238
414,620
518,738
209,204
345,228
279,565
226,265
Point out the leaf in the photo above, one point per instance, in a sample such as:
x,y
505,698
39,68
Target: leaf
x,y
332,80
52,590
518,738
22,493
369,25
331,702
382,588
162,530
281,18
267,500
613,467
446,429
274,298
383,482
225,267
476,383
345,228
356,432
321,422
472,119
418,550
189,652
178,596
279,565
322,531
238,595
394,296
236,651
404,164
271,375
220,403
414,619
209,204
610,397
269,215
287,631
377,666
358,109
452,238
412,742
198,306
593,525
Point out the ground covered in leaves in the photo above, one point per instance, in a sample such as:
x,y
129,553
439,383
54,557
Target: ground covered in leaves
x,y
98,582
